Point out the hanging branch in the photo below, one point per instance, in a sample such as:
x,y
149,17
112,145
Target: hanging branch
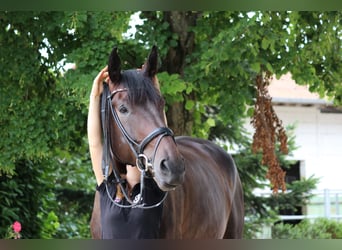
x,y
268,130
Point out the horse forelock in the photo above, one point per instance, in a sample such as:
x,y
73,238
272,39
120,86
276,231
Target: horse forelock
x,y
140,87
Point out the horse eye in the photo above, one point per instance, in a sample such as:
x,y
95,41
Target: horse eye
x,y
123,109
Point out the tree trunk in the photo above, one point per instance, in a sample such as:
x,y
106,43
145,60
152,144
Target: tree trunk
x,y
179,119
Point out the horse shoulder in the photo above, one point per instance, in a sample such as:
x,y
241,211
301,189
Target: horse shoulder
x,y
210,182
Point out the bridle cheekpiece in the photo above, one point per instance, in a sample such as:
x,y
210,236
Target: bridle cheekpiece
x,y
143,163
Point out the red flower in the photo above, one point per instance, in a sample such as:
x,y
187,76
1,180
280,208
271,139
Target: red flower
x,y
16,227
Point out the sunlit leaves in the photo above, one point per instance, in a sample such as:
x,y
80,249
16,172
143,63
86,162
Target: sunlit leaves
x,y
43,112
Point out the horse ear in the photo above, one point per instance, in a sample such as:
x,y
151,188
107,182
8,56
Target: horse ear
x,y
151,65
114,66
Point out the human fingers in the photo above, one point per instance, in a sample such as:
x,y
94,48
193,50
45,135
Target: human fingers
x,y
107,79
105,68
103,74
99,79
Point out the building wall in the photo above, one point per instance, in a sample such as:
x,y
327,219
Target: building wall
x,y
319,140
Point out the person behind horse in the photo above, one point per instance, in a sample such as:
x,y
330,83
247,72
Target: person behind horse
x,y
118,222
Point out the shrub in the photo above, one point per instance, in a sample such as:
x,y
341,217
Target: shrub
x,y
321,228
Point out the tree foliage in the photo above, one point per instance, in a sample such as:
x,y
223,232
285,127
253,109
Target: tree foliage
x,y
209,65
43,121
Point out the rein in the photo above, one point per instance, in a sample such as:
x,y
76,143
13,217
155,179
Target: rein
x,y
142,162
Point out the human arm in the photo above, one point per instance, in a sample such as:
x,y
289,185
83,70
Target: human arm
x,y
94,124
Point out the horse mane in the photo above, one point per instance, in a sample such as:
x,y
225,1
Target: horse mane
x,y
140,87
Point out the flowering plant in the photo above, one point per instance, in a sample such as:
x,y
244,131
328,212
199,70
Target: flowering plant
x,y
14,231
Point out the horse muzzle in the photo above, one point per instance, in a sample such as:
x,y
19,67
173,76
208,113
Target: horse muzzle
x,y
170,173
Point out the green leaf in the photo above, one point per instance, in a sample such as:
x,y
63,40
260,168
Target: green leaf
x,y
250,111
255,67
269,67
265,43
211,122
189,104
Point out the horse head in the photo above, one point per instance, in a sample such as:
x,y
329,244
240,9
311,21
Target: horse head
x,y
139,133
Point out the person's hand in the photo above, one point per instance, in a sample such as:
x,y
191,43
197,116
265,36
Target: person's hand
x,y
101,77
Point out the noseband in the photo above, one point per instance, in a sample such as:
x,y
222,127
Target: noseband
x,y
143,163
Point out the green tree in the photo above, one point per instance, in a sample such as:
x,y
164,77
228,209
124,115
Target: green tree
x,y
218,56
209,65
43,121
221,57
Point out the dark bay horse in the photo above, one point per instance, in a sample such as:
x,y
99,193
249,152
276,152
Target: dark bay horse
x,y
205,197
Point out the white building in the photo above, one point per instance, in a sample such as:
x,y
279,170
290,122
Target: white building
x,y
318,135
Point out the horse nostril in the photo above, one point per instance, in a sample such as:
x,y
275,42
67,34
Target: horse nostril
x,y
171,172
163,166
171,168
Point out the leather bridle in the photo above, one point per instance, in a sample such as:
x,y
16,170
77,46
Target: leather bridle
x,y
144,164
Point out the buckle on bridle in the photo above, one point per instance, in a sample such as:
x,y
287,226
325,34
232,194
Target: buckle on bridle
x,y
143,163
